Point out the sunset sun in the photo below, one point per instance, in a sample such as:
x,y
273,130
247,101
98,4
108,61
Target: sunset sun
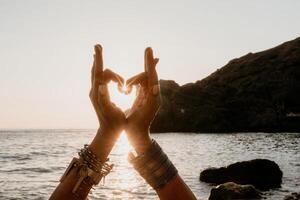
x,y
121,100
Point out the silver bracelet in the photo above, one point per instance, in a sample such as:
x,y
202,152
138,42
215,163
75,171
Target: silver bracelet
x,y
89,168
154,166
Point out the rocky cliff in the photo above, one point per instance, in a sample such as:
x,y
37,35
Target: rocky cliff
x,y
256,92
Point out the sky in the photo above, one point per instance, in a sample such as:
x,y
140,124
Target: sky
x,y
46,48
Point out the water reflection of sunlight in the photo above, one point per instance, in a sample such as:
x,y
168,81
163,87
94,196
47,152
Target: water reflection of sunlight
x,y
123,146
124,177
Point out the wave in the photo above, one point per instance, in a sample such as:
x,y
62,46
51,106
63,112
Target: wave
x,y
16,157
46,130
31,169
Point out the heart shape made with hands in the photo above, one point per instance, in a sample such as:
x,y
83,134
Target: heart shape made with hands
x,y
122,96
148,81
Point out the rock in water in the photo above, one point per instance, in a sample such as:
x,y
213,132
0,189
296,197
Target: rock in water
x,y
293,196
230,190
262,173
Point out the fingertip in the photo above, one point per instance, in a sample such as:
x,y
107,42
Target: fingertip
x,y
98,48
148,51
131,156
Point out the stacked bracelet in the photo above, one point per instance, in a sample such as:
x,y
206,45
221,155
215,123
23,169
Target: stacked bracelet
x,y
91,160
154,166
89,169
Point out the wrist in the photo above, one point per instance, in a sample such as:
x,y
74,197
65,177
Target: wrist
x,y
143,145
154,166
103,142
111,133
139,139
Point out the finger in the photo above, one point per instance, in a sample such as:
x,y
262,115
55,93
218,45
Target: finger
x,y
103,96
97,71
136,80
148,57
151,67
140,97
92,71
119,79
99,58
152,77
103,93
95,83
94,92
153,96
109,75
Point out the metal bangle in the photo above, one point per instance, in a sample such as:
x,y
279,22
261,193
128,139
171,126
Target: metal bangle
x,y
154,166
89,169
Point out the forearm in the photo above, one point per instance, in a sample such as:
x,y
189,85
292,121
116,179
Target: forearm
x,y
103,143
175,188
65,189
101,147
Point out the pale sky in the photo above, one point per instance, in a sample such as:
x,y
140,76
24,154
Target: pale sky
x,y
46,48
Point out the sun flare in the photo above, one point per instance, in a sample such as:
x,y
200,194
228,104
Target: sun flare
x,y
123,147
123,101
123,141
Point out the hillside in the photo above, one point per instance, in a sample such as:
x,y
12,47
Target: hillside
x,y
256,92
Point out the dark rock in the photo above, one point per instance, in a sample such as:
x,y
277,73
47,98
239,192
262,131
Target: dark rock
x,y
230,190
293,196
255,93
263,174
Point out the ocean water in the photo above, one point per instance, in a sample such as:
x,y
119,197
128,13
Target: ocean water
x,y
32,161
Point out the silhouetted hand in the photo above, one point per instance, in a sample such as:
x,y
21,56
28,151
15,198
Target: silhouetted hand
x,y
111,118
147,103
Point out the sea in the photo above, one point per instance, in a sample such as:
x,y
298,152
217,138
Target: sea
x,y
32,161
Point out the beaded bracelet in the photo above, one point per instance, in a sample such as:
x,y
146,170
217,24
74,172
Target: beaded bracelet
x,y
89,168
154,166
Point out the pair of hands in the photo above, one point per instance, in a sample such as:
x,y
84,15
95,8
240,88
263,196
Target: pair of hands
x,y
137,120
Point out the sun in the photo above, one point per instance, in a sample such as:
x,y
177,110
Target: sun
x,y
121,100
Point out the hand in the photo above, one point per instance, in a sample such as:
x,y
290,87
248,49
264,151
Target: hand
x,y
147,103
110,117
